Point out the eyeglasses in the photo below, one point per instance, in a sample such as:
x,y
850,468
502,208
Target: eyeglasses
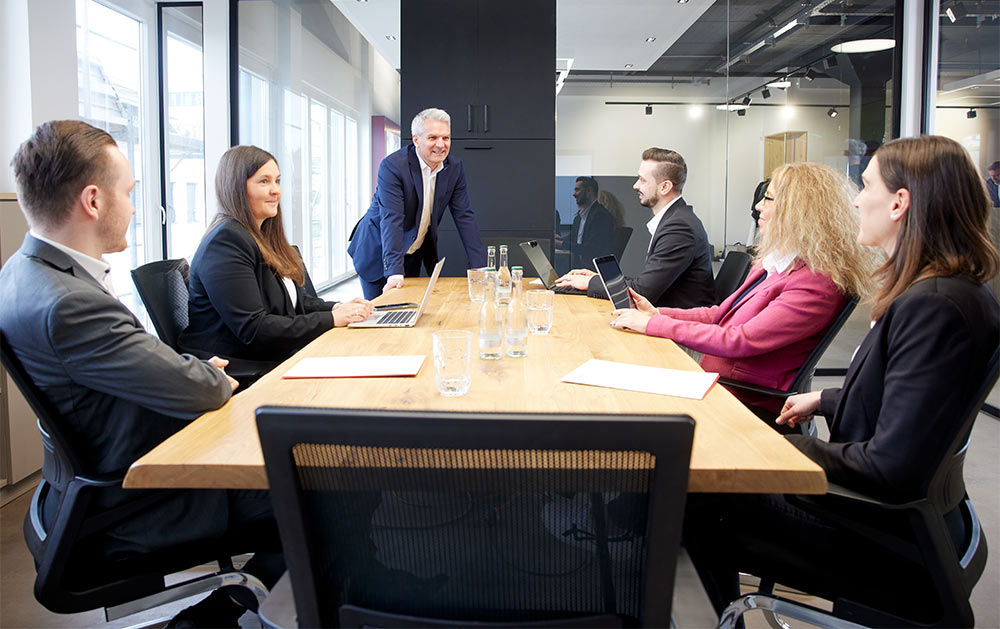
x,y
767,198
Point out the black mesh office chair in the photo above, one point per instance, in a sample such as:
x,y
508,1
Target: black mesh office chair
x,y
803,378
622,236
731,274
453,519
163,288
939,533
72,575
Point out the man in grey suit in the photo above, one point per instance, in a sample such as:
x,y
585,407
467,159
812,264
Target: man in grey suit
x,y
118,390
678,270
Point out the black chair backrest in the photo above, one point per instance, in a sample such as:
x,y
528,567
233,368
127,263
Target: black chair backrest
x,y
947,487
803,378
163,288
307,287
731,274
758,194
462,517
622,236
60,463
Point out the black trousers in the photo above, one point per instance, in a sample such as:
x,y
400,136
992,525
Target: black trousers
x,y
769,537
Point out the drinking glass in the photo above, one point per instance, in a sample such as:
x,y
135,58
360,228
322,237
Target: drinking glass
x,y
540,304
476,279
452,361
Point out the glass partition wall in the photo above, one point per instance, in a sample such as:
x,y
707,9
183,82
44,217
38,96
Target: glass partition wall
x,y
737,88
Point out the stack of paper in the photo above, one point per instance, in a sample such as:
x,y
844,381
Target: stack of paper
x,y
605,373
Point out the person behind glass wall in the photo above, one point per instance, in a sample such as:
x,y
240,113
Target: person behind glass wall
x,y
593,230
936,326
245,300
993,183
614,207
398,233
799,283
118,390
678,269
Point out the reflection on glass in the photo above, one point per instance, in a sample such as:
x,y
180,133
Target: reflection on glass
x,y
737,89
109,62
184,136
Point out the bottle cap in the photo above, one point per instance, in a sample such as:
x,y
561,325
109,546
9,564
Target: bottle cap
x,y
517,268
489,268
503,247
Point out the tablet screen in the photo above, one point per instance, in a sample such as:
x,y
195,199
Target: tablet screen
x,y
614,281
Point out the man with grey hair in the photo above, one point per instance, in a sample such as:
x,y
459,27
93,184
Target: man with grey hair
x,y
398,233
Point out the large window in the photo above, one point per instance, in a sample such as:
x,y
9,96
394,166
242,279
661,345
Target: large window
x,y
184,128
302,92
110,60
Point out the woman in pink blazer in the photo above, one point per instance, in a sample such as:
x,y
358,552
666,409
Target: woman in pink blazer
x,y
808,265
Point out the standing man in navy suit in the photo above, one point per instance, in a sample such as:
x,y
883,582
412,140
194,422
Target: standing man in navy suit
x,y
398,234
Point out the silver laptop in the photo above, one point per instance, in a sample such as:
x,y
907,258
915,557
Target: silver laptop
x,y
401,318
543,267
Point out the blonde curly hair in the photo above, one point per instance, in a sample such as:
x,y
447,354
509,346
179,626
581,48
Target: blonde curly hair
x,y
814,218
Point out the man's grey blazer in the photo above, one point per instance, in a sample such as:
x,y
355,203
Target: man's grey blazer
x,y
119,389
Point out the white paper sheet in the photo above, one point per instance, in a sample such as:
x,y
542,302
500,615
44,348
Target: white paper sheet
x,y
355,367
605,373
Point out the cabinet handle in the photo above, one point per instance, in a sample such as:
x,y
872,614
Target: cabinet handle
x,y
486,118
469,118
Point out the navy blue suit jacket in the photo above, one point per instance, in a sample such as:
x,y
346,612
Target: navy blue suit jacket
x,y
387,230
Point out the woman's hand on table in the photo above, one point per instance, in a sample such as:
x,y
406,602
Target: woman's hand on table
x,y
799,409
357,309
630,319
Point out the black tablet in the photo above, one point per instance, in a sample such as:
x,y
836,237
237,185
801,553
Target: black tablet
x,y
613,280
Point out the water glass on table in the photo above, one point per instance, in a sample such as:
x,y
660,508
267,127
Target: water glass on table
x,y
452,361
540,303
476,279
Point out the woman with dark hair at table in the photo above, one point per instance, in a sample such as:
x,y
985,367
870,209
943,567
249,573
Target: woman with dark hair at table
x,y
935,328
808,265
246,301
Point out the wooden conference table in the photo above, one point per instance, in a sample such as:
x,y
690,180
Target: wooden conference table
x,y
733,450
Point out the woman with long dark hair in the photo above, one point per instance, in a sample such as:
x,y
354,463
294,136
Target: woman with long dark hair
x,y
246,301
935,327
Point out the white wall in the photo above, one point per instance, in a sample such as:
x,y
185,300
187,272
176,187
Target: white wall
x,y
980,135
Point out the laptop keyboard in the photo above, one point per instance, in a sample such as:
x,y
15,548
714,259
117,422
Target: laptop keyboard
x,y
397,317
568,290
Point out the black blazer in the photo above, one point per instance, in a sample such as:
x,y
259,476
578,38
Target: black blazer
x,y
678,271
598,237
238,307
897,412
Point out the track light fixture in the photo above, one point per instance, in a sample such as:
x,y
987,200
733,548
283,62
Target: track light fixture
x,y
971,113
811,74
955,12
649,110
746,100
766,93
832,112
741,112
831,61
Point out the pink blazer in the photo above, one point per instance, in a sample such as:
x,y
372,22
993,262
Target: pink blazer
x,y
764,338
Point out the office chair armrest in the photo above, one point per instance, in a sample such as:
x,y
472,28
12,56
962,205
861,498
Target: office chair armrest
x,y
755,388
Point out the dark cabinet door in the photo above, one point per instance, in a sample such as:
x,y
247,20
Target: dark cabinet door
x,y
490,64
517,54
511,182
438,63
